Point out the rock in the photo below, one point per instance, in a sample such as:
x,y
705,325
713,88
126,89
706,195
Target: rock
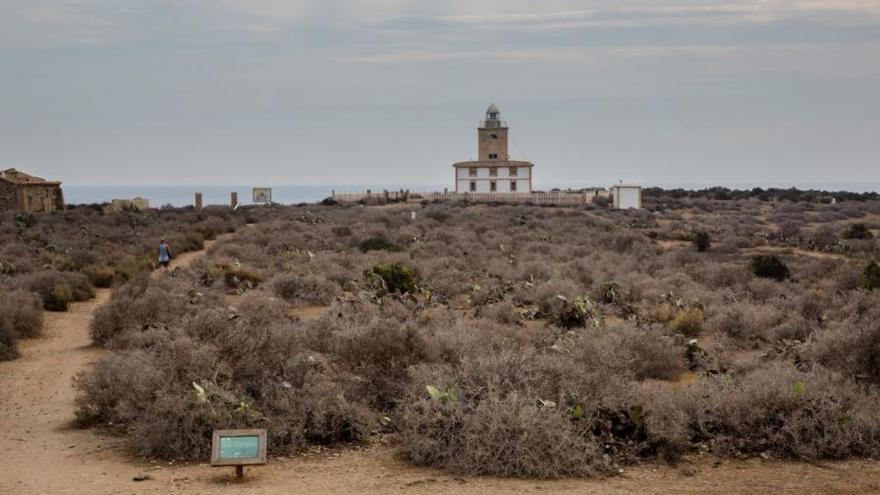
x,y
142,477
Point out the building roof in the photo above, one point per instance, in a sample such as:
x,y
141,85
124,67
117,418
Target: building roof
x,y
493,109
493,163
20,178
627,186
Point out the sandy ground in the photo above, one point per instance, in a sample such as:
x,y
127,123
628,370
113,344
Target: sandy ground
x,y
42,453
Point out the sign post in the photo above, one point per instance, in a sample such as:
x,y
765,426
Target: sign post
x,y
238,448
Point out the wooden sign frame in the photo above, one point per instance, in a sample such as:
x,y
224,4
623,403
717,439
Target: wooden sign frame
x,y
215,448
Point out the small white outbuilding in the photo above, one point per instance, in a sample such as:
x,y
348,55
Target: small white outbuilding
x,y
627,196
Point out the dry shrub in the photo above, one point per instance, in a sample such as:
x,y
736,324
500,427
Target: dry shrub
x,y
504,436
530,400
688,322
491,401
23,313
8,341
57,289
746,323
664,312
503,312
851,347
785,412
307,289
568,412
134,308
21,316
100,276
629,352
233,274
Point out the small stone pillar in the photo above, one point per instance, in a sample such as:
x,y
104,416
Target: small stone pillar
x,y
233,199
198,201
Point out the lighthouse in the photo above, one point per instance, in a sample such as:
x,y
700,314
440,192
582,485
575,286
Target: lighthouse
x,y
493,172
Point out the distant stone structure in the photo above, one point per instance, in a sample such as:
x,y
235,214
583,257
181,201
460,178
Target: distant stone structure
x,y
198,204
493,172
22,192
233,200
137,204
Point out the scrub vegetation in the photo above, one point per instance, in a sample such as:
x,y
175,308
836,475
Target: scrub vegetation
x,y
510,340
60,258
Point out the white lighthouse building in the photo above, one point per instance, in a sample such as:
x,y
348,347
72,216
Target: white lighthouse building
x,y
493,171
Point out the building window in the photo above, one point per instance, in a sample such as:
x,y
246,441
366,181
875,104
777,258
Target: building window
x,y
493,156
473,186
514,171
492,186
493,172
513,186
494,136
472,172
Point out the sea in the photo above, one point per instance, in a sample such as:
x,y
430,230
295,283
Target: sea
x,y
214,195
160,195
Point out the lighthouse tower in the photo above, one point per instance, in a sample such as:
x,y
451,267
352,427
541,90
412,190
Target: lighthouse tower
x,y
493,172
492,136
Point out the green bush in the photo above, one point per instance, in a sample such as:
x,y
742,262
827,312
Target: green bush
x,y
397,278
870,278
377,243
858,231
770,266
702,241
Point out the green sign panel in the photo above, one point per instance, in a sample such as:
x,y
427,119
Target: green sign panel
x,y
247,447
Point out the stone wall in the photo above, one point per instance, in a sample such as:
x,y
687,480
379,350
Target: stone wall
x,y
492,141
39,198
8,196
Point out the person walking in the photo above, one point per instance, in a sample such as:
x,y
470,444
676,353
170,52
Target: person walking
x,y
164,254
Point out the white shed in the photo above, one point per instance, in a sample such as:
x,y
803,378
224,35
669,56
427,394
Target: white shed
x,y
627,196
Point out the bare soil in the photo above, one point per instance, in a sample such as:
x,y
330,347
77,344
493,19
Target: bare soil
x,y
43,453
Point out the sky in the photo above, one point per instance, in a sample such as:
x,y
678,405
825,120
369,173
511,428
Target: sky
x,y
389,92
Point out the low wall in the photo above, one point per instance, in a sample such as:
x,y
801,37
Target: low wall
x,y
536,198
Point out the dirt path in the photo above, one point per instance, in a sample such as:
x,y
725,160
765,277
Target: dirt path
x,y
43,454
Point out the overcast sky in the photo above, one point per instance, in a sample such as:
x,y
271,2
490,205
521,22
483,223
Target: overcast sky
x,y
390,91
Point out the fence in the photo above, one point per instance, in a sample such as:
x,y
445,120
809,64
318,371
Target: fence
x,y
552,198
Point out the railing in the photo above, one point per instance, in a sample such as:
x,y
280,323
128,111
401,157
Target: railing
x,y
493,124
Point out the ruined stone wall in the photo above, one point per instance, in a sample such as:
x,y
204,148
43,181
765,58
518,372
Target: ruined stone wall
x,y
8,196
40,198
